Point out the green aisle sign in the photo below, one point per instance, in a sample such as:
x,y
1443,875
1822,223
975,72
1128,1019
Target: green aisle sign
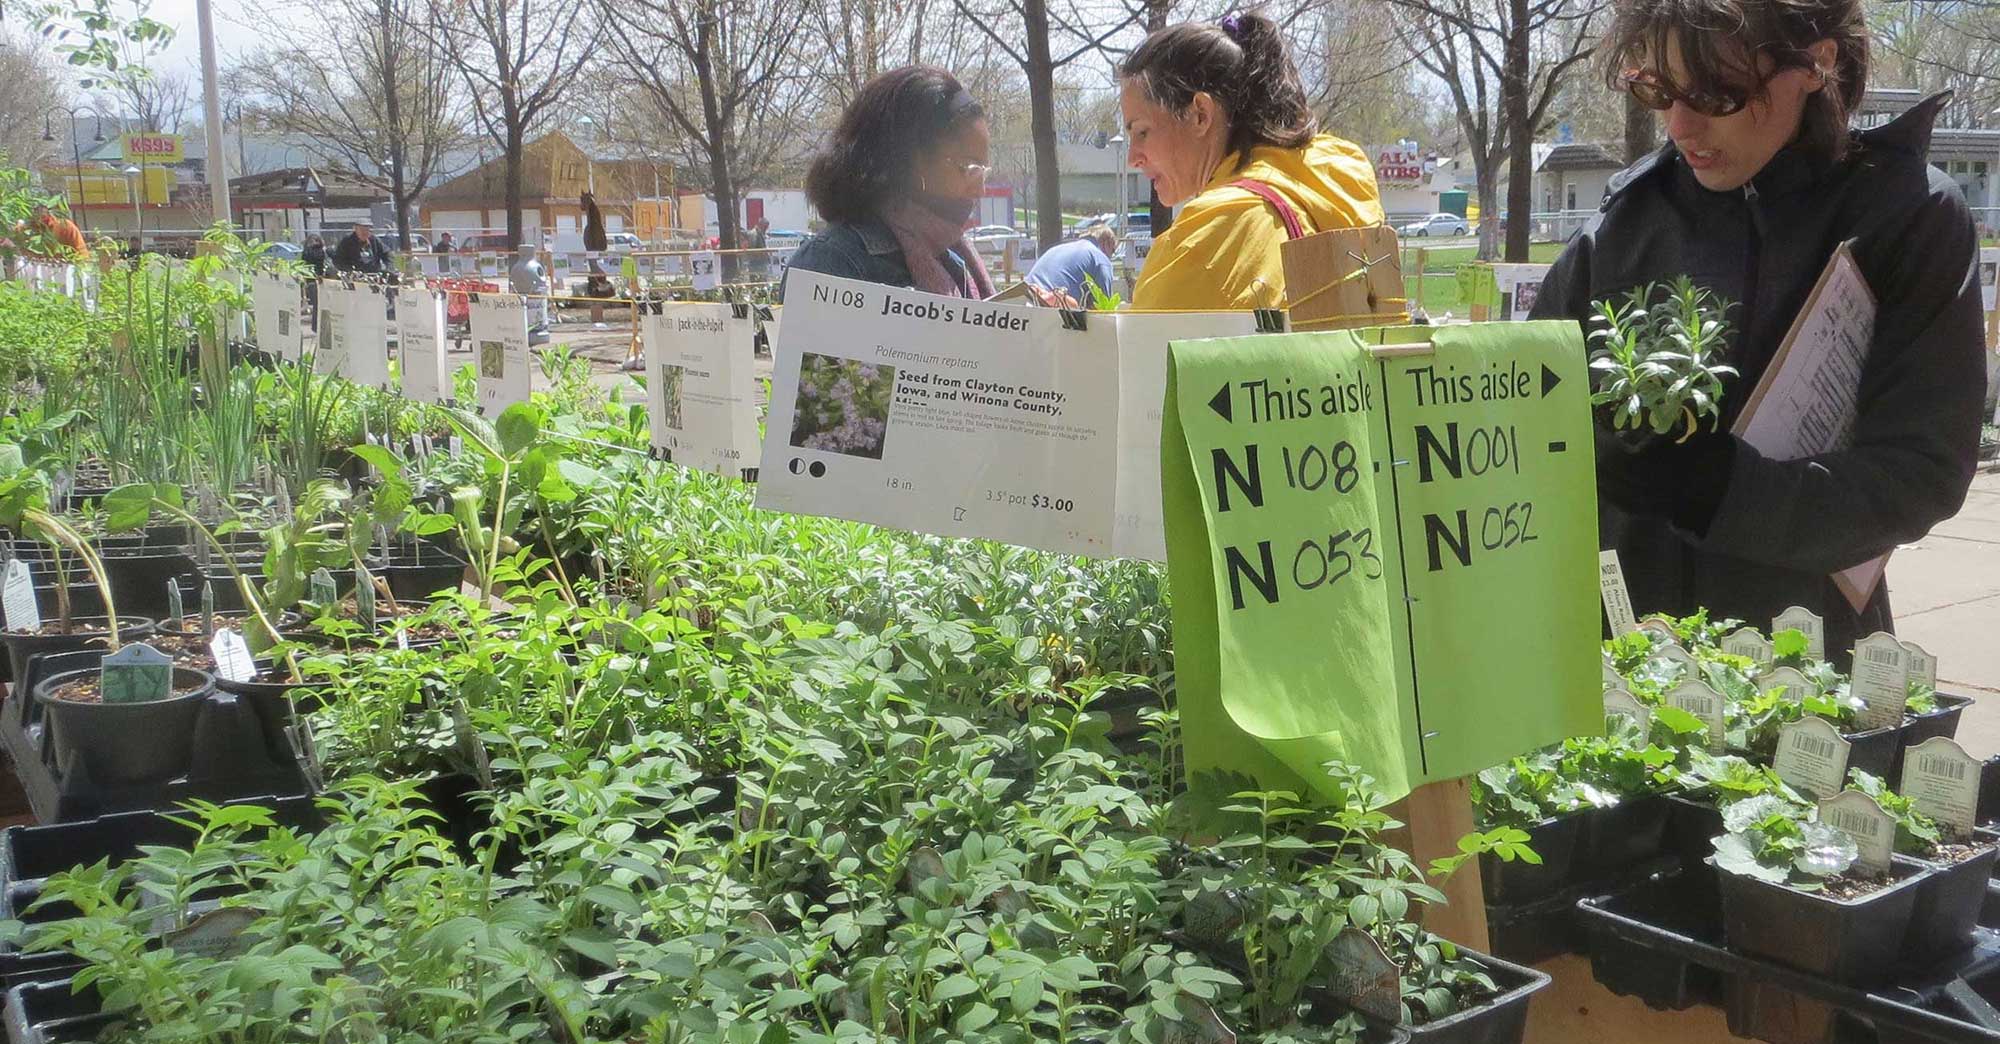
x,y
1382,555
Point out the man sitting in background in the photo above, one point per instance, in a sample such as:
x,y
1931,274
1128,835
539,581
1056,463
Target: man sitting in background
x,y
1066,266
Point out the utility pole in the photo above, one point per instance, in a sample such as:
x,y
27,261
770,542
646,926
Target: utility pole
x,y
217,167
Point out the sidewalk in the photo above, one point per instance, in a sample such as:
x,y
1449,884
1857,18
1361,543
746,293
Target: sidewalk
x,y
1946,592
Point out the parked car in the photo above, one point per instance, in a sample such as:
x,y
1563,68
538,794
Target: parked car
x,y
488,243
1438,225
283,251
395,242
622,242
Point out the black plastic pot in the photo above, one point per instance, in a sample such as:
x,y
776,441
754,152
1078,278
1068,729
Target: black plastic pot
x,y
124,744
1501,1020
83,601
1615,838
1555,840
1948,907
1851,942
414,580
1875,751
139,579
53,1013
86,632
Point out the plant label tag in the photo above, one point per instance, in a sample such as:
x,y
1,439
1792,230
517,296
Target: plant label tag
x,y
217,934
323,590
1923,666
1197,1023
1797,685
1747,643
284,493
1705,703
1858,816
417,446
454,446
1812,756
1661,630
1676,654
232,656
364,598
1364,976
1805,621
137,674
176,609
470,742
1612,679
1619,703
17,597
1881,680
403,640
1617,600
1942,781
207,607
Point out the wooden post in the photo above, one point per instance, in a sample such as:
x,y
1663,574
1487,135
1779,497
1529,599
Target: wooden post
x,y
1344,279
1438,814
1423,266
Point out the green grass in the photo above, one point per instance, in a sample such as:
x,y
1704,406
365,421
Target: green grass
x,y
1440,279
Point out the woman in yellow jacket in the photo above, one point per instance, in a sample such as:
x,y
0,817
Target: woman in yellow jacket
x,y
1217,118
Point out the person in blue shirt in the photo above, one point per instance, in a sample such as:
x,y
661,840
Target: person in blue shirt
x,y
1064,266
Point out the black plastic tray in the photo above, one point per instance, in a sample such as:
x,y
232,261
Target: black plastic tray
x,y
49,1012
1651,942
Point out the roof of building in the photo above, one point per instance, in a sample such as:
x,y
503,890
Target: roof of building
x,y
1580,156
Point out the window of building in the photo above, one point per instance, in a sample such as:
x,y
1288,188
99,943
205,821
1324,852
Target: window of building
x,y
1570,195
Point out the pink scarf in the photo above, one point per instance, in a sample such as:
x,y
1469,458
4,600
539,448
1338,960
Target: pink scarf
x,y
924,238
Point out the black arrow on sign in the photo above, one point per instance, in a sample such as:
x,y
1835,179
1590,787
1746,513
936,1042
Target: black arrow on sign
x,y
1549,380
1220,404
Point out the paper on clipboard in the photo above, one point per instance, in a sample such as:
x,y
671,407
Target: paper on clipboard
x,y
1806,402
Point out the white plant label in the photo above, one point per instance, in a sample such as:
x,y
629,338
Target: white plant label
x,y
1812,756
354,341
1858,816
1621,704
1617,600
706,269
232,656
1612,679
364,598
17,597
1676,654
420,344
453,446
275,302
322,588
1806,622
701,388
1797,685
207,607
176,611
1661,630
500,351
940,415
1923,666
1704,703
1942,781
1748,643
1363,975
1881,679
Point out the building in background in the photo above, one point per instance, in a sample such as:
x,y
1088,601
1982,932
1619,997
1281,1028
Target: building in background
x,y
555,174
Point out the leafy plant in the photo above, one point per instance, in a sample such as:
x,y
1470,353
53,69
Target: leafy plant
x,y
1653,363
1780,841
1916,834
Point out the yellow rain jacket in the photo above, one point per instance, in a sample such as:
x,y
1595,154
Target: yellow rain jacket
x,y
1222,251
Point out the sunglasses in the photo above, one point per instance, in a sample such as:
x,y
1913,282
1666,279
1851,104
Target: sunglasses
x,y
1656,93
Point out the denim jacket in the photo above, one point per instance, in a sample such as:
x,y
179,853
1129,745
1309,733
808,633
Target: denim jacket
x,y
867,251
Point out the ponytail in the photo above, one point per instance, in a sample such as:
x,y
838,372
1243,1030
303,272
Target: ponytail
x,y
1242,63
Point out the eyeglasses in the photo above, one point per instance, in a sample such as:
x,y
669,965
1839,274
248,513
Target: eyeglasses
x,y
1652,91
970,170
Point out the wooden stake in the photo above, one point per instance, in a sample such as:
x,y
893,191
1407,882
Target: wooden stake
x,y
1438,814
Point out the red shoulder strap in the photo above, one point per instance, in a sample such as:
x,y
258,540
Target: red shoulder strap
x,y
1293,227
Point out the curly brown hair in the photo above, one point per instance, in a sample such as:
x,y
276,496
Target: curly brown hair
x,y
1721,40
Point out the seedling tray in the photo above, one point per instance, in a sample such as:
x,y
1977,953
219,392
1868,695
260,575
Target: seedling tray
x,y
1531,933
1652,942
50,1012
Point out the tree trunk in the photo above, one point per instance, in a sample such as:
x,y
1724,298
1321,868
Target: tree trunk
x,y
722,183
1042,124
1487,178
516,158
1515,68
398,146
1641,130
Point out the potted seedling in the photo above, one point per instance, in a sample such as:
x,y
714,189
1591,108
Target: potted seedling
x,y
1959,860
1795,889
1653,367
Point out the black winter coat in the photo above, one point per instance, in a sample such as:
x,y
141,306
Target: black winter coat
x,y
351,255
1779,528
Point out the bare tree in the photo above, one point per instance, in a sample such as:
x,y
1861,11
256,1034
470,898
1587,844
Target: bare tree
x,y
725,74
1040,39
159,102
1503,62
29,92
384,105
517,58
1938,47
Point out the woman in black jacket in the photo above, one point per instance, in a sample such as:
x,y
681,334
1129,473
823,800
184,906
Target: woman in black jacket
x,y
898,183
1759,183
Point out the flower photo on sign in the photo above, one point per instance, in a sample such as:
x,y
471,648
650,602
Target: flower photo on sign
x,y
492,359
843,405
671,380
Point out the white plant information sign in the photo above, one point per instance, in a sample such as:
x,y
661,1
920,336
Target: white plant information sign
x,y
500,351
701,388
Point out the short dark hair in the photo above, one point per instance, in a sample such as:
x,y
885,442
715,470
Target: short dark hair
x,y
1721,39
873,152
1242,63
